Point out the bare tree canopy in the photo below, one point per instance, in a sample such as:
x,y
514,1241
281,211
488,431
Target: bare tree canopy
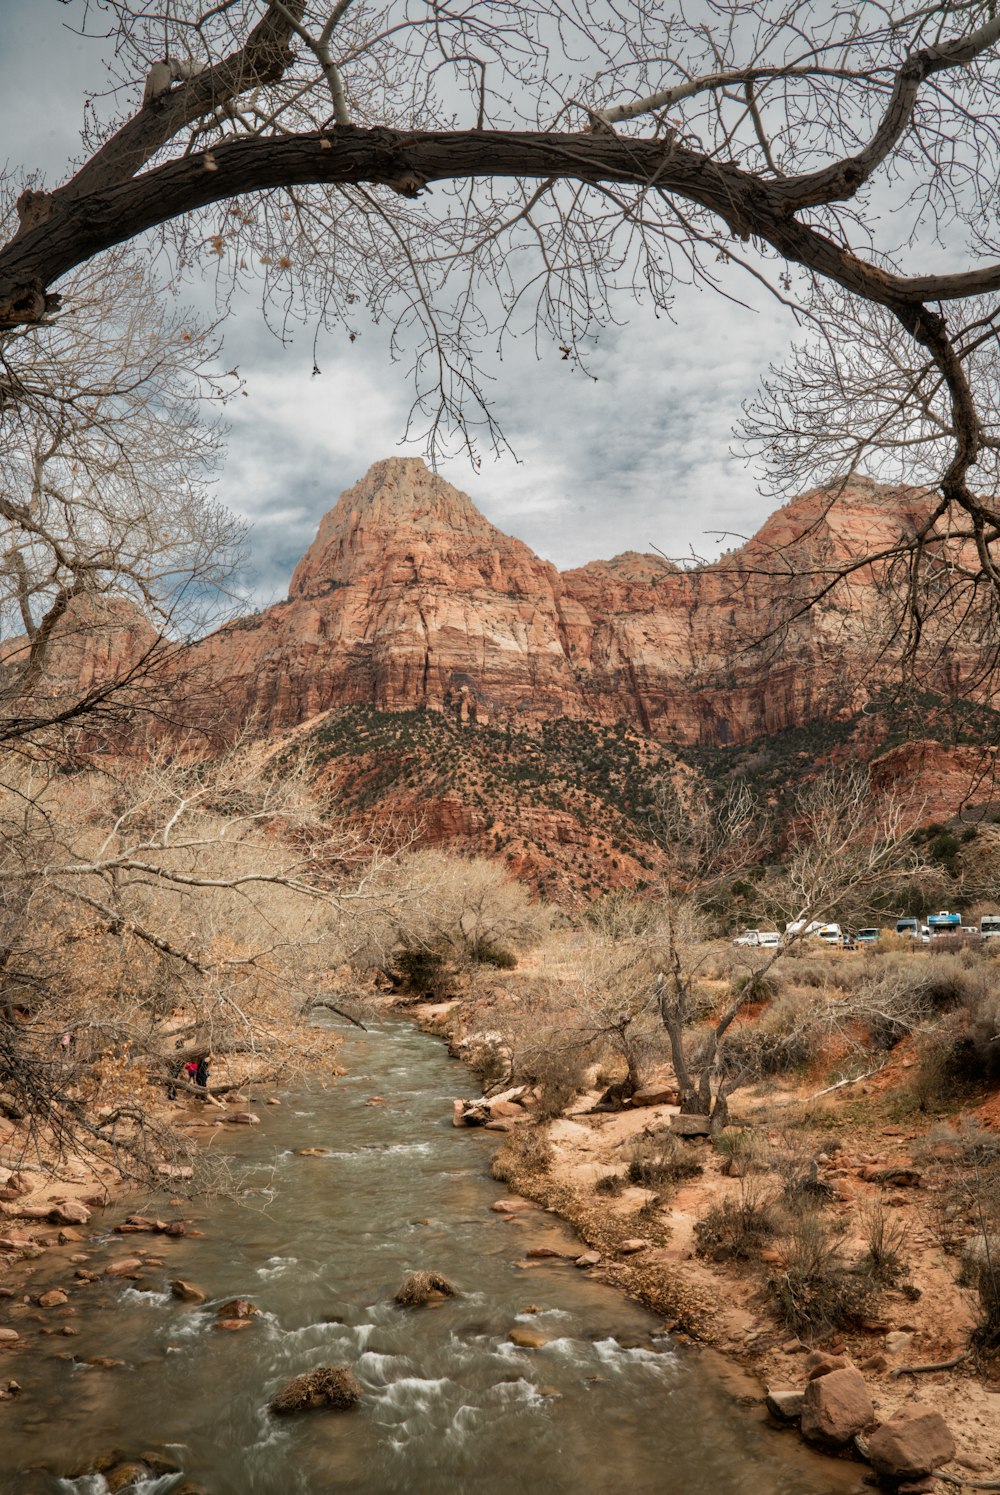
x,y
470,171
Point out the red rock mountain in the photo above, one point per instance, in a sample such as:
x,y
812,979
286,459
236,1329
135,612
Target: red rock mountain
x,y
409,597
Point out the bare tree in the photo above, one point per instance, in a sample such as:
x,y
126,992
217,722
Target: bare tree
x,y
846,844
401,157
150,906
112,549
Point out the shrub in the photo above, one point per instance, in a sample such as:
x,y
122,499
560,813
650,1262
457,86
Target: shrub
x,y
486,952
758,986
743,1151
885,1235
660,1158
610,1183
783,1038
524,1152
817,1290
419,969
736,1228
981,1270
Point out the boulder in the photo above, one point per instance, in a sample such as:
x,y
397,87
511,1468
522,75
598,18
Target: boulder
x,y
836,1407
187,1291
243,1118
54,1298
69,1212
785,1405
911,1445
589,1259
328,1386
420,1288
655,1095
690,1126
632,1245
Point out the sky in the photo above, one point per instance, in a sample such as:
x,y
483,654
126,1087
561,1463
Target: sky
x,y
634,459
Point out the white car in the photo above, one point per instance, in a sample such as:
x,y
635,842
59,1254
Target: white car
x,y
767,939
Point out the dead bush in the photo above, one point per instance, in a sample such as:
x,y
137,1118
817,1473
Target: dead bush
x,y
659,1158
744,1151
783,1038
420,1288
980,1270
885,1237
524,1152
737,1227
817,1289
610,1184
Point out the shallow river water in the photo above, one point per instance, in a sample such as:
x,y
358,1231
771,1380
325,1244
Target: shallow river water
x,y
450,1405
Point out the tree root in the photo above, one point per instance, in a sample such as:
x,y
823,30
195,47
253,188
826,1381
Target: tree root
x,y
919,1370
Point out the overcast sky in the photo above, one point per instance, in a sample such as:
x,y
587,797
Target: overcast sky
x,y
637,459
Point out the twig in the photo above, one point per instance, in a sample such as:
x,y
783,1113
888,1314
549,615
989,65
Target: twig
x,y
967,1484
919,1370
854,1080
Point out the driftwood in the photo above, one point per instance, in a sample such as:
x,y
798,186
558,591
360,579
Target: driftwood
x,y
919,1370
332,1007
967,1484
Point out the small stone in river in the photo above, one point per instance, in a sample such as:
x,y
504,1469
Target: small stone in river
x,y
104,1362
419,1288
124,1476
188,1292
543,1253
527,1339
328,1386
589,1259
8,1392
7,1336
233,1325
312,1152
53,1299
237,1308
125,1267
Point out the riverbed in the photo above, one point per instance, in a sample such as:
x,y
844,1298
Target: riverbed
x,y
320,1244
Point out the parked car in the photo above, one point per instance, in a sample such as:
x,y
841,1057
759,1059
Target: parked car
x,y
767,939
868,936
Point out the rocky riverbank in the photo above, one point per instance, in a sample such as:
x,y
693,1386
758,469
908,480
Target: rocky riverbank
x,y
901,1387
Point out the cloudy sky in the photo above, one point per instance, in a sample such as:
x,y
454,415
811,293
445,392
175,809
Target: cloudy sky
x,y
637,458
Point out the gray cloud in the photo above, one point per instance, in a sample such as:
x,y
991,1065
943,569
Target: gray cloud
x,y
637,458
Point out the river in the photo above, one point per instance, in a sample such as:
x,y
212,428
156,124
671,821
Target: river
x,y
449,1405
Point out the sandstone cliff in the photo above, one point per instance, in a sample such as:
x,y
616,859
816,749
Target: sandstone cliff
x,y
410,598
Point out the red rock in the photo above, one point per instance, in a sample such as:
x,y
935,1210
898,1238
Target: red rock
x,y
124,1267
54,1298
819,1363
836,1407
632,1245
910,1445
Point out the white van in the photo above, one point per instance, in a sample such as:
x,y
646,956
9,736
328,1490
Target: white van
x,y
761,939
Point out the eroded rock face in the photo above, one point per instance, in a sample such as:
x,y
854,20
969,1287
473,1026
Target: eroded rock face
x,y
409,597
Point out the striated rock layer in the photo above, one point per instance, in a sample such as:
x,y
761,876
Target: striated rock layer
x,y
409,598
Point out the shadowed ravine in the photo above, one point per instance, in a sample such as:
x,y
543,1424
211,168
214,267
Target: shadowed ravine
x,y
449,1404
